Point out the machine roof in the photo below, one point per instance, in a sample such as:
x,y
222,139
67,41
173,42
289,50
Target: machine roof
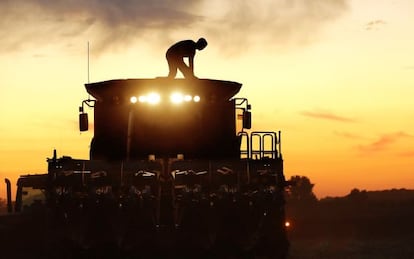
x,y
125,88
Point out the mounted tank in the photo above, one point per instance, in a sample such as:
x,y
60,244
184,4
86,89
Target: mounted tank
x,y
181,147
135,118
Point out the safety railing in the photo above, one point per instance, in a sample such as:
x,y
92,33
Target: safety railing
x,y
260,144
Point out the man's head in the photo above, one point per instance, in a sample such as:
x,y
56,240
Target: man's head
x,y
201,43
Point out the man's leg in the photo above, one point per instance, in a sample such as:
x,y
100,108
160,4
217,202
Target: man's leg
x,y
172,66
185,70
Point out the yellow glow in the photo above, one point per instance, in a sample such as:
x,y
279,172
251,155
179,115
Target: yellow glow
x,y
287,224
303,88
153,98
188,98
176,98
142,99
133,99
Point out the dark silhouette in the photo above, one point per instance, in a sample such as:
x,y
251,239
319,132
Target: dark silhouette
x,y
161,182
183,49
301,190
379,222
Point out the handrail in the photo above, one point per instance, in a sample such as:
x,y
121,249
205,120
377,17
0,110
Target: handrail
x,y
244,153
273,140
9,201
256,153
263,142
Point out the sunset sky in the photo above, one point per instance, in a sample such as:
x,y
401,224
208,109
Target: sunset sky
x,y
335,76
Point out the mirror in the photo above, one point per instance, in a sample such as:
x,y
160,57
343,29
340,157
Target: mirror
x,y
247,120
83,122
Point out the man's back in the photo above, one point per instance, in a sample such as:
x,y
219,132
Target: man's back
x,y
185,48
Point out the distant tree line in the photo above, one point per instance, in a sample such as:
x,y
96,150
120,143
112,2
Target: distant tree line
x,y
300,191
361,212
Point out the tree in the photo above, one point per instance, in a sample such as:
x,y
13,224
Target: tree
x,y
357,196
300,190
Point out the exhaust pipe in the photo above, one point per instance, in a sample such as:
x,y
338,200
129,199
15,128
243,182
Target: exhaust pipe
x,y
9,201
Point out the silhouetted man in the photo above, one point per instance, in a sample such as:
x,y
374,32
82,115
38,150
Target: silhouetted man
x,y
176,53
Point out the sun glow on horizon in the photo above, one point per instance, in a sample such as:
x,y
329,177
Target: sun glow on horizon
x,y
342,96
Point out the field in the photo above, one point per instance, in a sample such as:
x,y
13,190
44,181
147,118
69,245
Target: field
x,y
366,226
346,228
352,247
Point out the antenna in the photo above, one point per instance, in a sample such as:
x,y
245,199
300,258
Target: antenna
x,y
88,63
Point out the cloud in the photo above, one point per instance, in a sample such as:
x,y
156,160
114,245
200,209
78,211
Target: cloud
x,y
347,135
374,25
234,25
275,22
384,142
326,116
108,22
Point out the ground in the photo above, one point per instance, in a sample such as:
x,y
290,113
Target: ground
x,y
352,228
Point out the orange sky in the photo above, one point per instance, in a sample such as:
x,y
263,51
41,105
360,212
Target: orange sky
x,y
335,76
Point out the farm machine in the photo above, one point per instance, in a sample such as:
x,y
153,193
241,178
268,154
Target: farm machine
x,y
175,171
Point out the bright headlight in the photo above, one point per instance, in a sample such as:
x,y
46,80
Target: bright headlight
x,y
142,99
177,98
188,98
153,98
133,99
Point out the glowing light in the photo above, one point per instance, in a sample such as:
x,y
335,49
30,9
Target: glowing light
x,y
153,98
177,98
287,224
142,99
133,99
188,98
196,98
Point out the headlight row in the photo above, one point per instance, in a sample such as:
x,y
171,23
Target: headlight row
x,y
154,98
